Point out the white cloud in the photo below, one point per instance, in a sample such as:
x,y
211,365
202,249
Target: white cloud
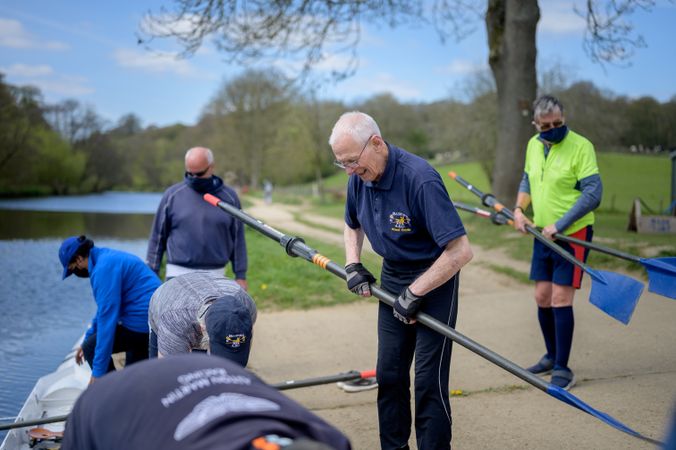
x,y
366,86
69,87
13,35
26,71
560,18
44,77
168,24
155,62
461,67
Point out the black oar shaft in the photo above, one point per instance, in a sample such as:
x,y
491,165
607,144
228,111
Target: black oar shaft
x,y
490,201
30,423
472,209
296,247
598,248
293,384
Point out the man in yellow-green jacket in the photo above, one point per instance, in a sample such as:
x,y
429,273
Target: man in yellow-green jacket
x,y
562,183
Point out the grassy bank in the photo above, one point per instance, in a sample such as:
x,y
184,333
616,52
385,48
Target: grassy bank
x,y
278,281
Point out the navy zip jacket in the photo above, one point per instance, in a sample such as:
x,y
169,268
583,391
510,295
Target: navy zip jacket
x,y
122,287
195,234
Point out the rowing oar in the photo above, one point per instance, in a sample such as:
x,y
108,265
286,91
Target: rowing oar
x,y
611,292
496,217
295,246
30,423
284,385
661,271
345,376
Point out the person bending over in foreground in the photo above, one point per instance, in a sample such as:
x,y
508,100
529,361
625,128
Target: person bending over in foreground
x,y
195,402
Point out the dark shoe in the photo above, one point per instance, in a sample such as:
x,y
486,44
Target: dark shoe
x,y
361,384
543,367
563,378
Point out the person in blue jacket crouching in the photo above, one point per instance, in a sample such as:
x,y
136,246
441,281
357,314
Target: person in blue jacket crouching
x,y
122,285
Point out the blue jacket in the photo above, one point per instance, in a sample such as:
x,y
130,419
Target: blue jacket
x,y
122,285
195,234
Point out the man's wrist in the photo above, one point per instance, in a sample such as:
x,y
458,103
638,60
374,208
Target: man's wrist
x,y
518,208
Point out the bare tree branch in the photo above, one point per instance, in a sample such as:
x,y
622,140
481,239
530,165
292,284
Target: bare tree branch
x,y
610,37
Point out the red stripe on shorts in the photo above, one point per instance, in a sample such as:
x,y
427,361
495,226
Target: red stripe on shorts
x,y
578,252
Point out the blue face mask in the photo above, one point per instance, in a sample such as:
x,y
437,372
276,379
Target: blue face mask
x,y
554,135
201,185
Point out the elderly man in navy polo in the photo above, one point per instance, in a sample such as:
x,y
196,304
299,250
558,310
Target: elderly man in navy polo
x,y
400,203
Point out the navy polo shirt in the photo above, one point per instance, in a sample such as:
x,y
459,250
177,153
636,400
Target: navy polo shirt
x,y
407,215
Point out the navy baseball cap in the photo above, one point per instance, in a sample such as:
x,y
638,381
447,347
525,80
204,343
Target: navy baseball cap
x,y
230,327
67,252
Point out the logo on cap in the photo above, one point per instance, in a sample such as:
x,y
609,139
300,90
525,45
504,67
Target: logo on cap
x,y
235,340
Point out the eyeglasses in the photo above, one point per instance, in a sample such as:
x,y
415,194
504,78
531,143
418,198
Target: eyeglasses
x,y
197,174
355,163
545,126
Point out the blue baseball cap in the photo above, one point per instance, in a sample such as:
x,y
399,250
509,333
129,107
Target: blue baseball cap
x,y
230,328
67,252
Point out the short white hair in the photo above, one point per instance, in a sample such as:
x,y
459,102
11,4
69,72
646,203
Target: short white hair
x,y
357,124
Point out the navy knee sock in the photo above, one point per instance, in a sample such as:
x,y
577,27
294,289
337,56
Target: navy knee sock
x,y
565,323
546,319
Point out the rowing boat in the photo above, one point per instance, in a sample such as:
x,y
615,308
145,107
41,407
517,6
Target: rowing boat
x,y
53,395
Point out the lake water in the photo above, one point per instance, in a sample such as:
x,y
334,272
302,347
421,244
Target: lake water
x,y
43,316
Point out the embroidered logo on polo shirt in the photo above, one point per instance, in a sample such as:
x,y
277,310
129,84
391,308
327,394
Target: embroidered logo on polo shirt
x,y
400,222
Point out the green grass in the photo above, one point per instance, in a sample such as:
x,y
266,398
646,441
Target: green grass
x,y
278,281
627,176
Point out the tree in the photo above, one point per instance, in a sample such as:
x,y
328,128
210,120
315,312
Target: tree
x,y
312,29
20,116
252,106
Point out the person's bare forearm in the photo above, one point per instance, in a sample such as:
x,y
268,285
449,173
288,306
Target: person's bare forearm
x,y
457,253
354,239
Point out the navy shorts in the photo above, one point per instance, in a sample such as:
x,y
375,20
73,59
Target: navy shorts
x,y
547,265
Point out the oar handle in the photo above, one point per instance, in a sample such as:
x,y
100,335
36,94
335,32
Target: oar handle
x,y
296,247
293,384
490,201
30,423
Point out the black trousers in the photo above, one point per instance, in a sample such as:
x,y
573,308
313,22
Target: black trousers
x,y
398,344
133,343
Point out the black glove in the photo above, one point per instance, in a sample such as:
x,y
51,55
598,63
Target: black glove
x,y
406,306
358,279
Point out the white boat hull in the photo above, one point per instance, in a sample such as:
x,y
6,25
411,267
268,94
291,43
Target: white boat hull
x,y
53,395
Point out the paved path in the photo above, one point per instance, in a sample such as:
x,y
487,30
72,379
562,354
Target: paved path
x,y
628,372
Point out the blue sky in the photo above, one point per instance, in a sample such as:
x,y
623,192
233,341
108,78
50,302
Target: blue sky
x,y
88,51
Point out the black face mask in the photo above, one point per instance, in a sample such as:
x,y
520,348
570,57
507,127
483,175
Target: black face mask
x,y
82,273
201,185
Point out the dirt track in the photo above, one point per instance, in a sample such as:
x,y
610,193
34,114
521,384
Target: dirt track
x,y
628,372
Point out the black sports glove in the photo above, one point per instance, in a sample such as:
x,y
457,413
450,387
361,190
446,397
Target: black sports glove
x,y
406,306
358,279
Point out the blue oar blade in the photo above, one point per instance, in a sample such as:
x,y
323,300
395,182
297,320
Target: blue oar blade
x,y
615,294
661,275
572,400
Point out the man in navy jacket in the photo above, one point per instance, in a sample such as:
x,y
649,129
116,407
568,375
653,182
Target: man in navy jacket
x,y
195,235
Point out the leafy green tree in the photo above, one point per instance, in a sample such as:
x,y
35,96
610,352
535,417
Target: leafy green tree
x,y
252,106
56,165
